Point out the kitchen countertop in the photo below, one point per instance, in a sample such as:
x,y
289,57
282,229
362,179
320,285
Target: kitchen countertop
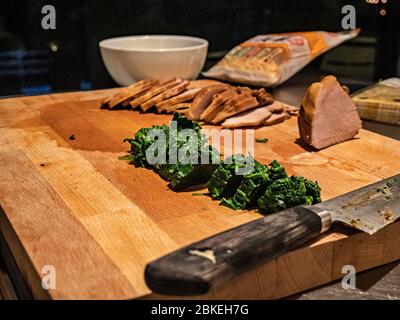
x,y
379,283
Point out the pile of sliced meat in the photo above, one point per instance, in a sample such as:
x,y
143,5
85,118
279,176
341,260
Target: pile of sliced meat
x,y
207,100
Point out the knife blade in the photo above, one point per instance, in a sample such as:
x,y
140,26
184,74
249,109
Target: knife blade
x,y
201,266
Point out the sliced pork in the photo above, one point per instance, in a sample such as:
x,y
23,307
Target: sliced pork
x,y
217,104
203,83
107,100
173,91
276,118
209,100
203,100
130,92
236,105
252,118
139,92
243,90
185,96
327,115
276,107
178,107
293,111
279,107
155,90
263,97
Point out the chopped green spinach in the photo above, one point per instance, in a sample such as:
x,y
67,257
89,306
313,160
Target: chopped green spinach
x,y
165,160
225,180
248,189
288,192
269,188
263,140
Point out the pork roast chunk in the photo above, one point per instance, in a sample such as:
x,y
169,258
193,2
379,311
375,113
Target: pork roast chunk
x,y
327,115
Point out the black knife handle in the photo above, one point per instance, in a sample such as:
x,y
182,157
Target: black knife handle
x,y
197,268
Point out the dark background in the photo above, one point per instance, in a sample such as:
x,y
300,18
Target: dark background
x,y
33,60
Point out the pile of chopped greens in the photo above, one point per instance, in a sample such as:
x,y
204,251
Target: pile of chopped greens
x,y
180,175
239,182
267,187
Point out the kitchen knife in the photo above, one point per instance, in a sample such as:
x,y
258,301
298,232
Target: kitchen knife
x,y
203,265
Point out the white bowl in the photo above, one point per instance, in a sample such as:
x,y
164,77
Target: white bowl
x,y
133,58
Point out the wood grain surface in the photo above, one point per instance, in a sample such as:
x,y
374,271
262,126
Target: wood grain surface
x,y
73,205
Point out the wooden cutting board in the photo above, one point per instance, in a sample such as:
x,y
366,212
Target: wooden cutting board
x,y
69,203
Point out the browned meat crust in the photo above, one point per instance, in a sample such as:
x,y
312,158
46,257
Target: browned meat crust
x,y
203,100
185,96
177,89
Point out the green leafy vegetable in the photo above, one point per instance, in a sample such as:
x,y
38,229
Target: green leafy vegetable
x,y
165,157
288,192
276,171
187,175
199,194
126,157
264,140
269,188
142,141
224,181
313,190
248,189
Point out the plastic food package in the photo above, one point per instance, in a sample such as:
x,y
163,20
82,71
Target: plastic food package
x,y
269,60
380,102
